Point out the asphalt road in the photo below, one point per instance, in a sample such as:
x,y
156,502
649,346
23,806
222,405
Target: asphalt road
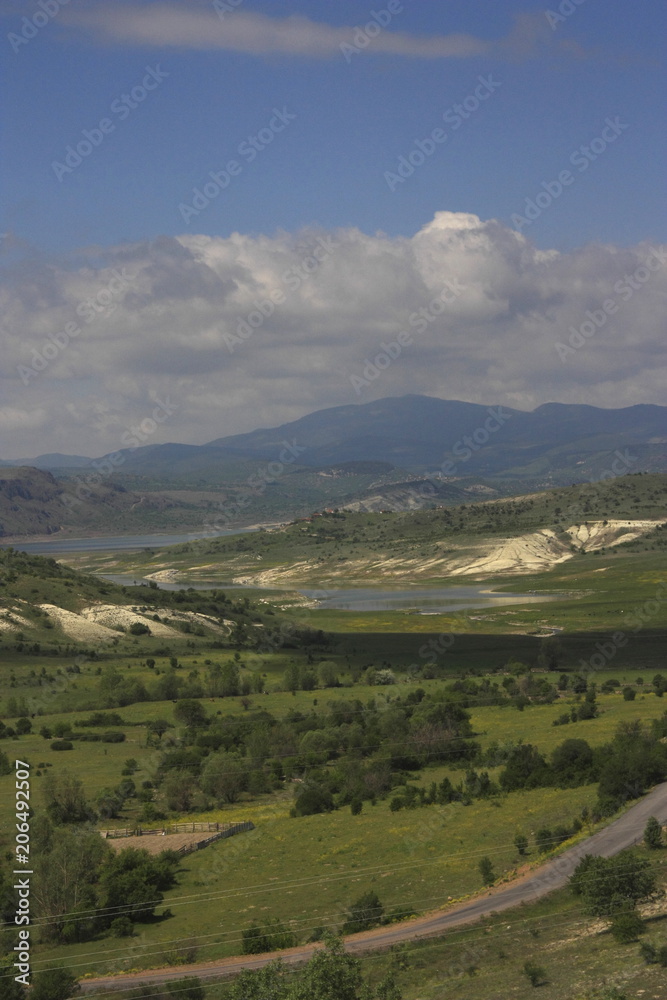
x,y
622,833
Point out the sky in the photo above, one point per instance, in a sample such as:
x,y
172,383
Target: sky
x,y
233,213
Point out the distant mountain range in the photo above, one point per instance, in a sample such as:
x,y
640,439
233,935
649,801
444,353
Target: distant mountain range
x,y
556,443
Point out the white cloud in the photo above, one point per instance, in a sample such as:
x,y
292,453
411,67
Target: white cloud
x,y
197,26
182,327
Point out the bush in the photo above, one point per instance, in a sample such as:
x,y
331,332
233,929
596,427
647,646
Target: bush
x,y
121,927
627,926
356,805
629,693
648,952
535,973
544,840
62,745
365,913
313,799
113,737
273,936
653,833
139,628
521,844
486,871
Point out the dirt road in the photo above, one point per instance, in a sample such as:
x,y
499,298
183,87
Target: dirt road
x,y
622,833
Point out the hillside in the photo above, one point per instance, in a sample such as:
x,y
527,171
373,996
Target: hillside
x,y
555,444
478,540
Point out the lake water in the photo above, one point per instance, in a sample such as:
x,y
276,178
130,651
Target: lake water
x,y
111,543
435,600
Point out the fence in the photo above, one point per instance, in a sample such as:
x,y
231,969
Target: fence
x,y
231,830
223,829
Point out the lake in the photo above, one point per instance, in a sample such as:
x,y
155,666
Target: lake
x,y
112,543
434,600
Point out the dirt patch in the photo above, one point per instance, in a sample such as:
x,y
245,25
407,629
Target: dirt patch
x,y
155,843
78,627
114,615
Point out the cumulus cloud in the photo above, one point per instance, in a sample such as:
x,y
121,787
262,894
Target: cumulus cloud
x,y
245,331
188,25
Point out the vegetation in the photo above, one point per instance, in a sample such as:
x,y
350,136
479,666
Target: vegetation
x,y
370,769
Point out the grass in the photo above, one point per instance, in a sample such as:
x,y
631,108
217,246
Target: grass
x,y
308,871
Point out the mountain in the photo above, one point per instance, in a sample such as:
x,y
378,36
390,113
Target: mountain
x,y
558,441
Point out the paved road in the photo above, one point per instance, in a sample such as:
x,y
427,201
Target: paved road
x,y
622,833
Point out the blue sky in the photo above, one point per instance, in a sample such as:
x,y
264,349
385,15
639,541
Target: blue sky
x,y
353,121
333,108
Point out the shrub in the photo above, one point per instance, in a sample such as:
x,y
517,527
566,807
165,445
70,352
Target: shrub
x,y
521,844
535,973
629,693
365,913
653,833
627,926
113,737
62,745
139,628
486,871
121,927
544,839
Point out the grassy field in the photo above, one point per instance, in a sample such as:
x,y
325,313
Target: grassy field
x,y
485,961
308,871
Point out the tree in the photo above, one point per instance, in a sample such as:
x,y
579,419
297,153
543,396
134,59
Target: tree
x,y
313,799
653,833
331,974
11,990
225,776
525,768
629,693
53,984
132,883
486,871
365,913
179,788
270,983
189,712
609,886
572,763
65,799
